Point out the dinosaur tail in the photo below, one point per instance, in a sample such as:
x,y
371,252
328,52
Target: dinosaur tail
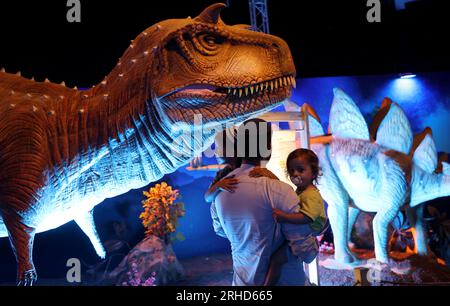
x,y
428,186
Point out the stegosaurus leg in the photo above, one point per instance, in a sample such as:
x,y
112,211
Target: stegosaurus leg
x,y
21,238
352,216
380,232
338,215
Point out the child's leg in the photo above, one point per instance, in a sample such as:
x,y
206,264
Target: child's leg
x,y
278,258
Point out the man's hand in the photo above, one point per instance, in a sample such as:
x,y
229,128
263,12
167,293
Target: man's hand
x,y
227,184
262,172
279,215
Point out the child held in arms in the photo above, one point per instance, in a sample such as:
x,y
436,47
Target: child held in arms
x,y
303,170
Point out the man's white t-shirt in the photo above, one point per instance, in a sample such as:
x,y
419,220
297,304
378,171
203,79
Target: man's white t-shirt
x,y
245,219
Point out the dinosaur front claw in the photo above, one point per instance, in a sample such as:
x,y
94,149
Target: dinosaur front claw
x,y
27,278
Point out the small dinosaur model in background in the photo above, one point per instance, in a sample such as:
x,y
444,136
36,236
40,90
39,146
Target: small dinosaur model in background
x,y
63,151
379,171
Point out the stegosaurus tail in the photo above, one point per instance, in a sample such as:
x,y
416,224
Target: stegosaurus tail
x,y
427,186
427,182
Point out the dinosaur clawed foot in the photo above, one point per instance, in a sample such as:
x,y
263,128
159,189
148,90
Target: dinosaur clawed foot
x,y
27,278
386,261
347,258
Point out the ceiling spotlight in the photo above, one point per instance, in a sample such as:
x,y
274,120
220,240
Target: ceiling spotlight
x,y
407,75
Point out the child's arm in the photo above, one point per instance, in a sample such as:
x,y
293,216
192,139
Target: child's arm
x,y
262,172
294,218
227,184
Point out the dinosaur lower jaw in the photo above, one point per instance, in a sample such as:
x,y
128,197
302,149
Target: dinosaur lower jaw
x,y
221,104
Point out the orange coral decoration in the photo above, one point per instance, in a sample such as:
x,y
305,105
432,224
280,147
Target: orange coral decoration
x,y
160,215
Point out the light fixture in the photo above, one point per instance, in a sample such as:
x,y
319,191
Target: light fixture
x,y
407,75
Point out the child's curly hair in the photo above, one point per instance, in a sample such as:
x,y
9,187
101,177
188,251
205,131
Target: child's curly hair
x,y
310,157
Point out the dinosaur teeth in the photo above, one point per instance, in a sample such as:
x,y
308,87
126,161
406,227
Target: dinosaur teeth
x,y
19,73
63,84
294,84
47,80
240,93
244,104
251,90
246,91
3,70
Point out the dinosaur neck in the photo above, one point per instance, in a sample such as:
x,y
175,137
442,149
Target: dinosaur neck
x,y
113,107
120,120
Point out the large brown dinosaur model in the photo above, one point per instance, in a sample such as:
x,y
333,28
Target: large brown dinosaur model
x,y
63,151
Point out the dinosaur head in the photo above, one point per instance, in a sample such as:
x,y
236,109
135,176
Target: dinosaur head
x,y
201,66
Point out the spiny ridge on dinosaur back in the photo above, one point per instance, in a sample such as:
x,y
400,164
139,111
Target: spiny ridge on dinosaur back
x,y
63,151
380,169
390,128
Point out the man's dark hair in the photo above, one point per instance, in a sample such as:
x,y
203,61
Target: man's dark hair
x,y
254,140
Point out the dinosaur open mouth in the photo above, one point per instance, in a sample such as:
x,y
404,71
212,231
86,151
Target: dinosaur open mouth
x,y
218,102
268,86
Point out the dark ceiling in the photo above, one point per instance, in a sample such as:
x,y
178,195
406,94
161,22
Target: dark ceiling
x,y
327,38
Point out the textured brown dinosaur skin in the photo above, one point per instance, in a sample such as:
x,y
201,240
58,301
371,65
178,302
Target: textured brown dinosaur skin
x,y
63,151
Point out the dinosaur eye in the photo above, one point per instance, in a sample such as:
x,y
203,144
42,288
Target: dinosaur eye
x,y
207,43
210,40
